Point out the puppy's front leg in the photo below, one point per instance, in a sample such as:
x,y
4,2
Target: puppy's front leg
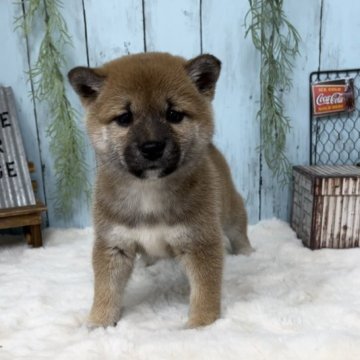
x,y
204,269
112,269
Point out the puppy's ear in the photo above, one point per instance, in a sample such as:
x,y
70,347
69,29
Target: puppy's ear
x,y
86,82
204,70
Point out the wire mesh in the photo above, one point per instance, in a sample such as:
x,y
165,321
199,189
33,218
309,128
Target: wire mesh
x,y
335,139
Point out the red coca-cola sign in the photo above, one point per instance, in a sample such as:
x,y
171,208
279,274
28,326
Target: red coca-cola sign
x,y
329,97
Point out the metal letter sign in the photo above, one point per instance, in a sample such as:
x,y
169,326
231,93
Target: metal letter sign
x,y
15,183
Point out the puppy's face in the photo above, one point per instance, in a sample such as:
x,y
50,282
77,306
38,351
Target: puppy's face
x,y
149,114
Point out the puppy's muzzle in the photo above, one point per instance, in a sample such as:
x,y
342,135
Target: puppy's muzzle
x,y
152,150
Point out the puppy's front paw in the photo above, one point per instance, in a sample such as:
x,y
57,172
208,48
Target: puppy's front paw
x,y
199,321
245,250
91,325
95,321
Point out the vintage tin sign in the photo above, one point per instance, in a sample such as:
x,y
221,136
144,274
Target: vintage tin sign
x,y
15,183
330,97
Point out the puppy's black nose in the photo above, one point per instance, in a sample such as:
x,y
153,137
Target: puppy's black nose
x,y
152,150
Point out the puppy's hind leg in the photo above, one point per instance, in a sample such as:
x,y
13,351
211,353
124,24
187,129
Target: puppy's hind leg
x,y
239,240
236,229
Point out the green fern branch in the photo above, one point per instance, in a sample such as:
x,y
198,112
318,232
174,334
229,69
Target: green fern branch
x,y
66,139
278,41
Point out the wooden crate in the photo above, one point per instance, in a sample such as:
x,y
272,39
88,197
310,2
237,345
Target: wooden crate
x,y
326,206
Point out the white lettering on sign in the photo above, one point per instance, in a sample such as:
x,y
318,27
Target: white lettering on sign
x,y
336,98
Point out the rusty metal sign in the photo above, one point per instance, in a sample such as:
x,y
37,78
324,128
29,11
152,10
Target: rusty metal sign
x,y
334,96
15,183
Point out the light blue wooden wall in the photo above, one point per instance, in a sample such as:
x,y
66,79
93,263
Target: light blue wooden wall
x,y
103,30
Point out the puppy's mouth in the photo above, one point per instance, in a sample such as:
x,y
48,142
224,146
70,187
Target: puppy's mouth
x,y
152,172
143,168
154,167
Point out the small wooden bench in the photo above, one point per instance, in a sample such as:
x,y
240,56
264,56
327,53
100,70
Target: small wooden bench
x,y
28,217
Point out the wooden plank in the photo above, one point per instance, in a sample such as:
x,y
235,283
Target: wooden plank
x,y
117,32
20,220
275,198
27,235
36,236
173,26
238,94
75,55
24,210
114,28
14,62
339,44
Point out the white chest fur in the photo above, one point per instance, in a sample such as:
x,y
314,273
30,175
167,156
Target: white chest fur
x,y
155,240
145,197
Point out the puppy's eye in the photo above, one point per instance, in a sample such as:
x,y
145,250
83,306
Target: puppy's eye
x,y
124,120
174,117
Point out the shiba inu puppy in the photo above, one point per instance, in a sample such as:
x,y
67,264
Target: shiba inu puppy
x,y
162,187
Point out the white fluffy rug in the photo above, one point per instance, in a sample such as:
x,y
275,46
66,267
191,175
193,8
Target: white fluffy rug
x,y
283,302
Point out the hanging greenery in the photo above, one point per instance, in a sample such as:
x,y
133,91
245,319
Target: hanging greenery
x,y
278,41
66,139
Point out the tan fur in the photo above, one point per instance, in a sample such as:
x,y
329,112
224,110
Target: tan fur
x,y
185,214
